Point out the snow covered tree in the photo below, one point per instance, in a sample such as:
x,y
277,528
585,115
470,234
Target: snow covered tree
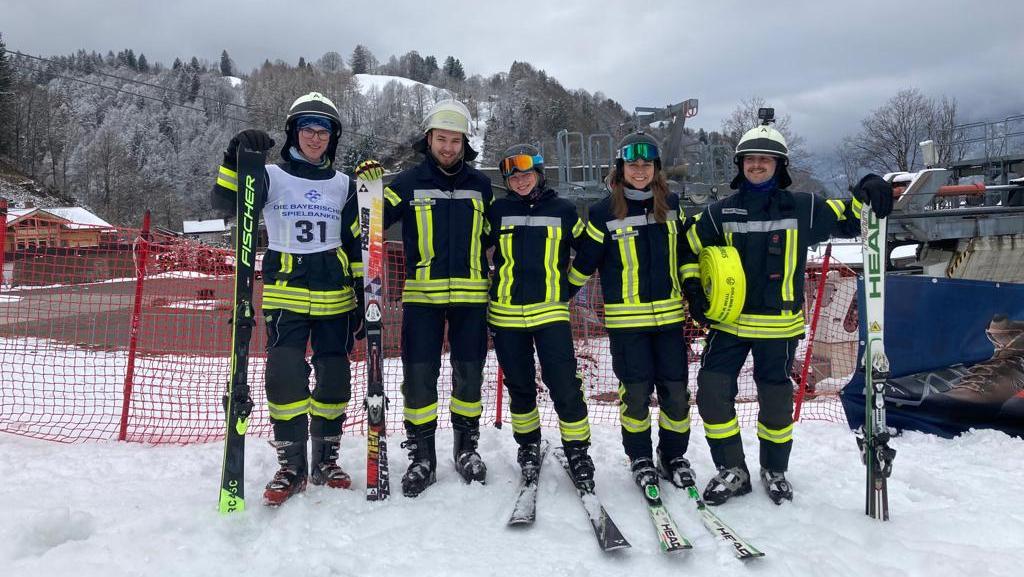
x,y
6,99
362,60
227,67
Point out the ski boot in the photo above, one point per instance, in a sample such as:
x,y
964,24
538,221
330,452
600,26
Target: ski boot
x,y
468,463
580,465
777,486
529,461
644,473
290,478
729,482
422,462
324,469
677,470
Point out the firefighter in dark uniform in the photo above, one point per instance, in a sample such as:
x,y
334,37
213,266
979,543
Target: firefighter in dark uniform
x,y
532,231
770,228
442,203
633,238
312,276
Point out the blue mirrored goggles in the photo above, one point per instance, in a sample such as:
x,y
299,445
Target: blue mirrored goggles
x,y
518,163
639,151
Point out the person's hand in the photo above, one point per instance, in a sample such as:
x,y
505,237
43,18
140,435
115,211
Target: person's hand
x,y
369,170
250,139
697,301
358,326
874,191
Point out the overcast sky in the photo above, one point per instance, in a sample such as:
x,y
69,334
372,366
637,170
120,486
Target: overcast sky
x,y
826,63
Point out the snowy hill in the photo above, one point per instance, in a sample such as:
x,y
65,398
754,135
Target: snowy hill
x,y
116,509
368,82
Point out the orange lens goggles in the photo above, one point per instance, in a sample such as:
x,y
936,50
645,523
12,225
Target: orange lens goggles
x,y
518,163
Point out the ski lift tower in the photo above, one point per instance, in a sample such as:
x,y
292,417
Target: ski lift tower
x,y
676,115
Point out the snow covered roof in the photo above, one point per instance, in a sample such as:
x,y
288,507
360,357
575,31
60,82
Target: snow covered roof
x,y
76,216
201,226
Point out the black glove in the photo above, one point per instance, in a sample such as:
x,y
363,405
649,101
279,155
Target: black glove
x,y
251,139
357,324
697,301
873,190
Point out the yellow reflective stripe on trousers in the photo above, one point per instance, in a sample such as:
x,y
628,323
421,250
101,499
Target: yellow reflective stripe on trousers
x,y
421,416
466,408
789,265
630,266
786,325
475,247
330,411
425,234
227,178
667,424
723,431
526,422
577,431
629,423
506,272
783,435
288,411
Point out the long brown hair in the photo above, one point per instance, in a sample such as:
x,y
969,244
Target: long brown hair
x,y
658,186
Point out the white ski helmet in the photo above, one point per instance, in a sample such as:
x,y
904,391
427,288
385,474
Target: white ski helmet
x,y
314,104
765,140
449,114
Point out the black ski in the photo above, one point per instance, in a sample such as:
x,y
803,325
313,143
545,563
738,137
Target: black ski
x,y
608,535
252,192
524,512
669,536
743,550
370,195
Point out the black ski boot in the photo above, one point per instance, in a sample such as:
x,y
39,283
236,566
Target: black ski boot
x,y
290,478
580,464
529,461
467,461
677,470
729,482
777,486
324,469
422,463
644,473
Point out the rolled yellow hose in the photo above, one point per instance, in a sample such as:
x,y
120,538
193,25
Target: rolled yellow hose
x,y
725,284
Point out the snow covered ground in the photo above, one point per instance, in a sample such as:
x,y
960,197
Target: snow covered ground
x,y
113,509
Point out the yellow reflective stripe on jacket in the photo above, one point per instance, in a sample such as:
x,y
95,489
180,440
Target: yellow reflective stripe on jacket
x,y
722,431
673,255
357,270
789,265
420,416
227,178
858,206
667,424
629,423
425,239
576,277
578,228
287,263
469,409
837,207
784,326
445,291
779,436
595,233
330,411
552,276
575,431
526,422
526,316
690,270
694,240
355,228
475,247
304,301
506,273
288,411
638,315
630,264
392,196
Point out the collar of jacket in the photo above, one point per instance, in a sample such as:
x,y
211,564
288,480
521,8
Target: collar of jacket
x,y
429,171
776,202
306,170
545,194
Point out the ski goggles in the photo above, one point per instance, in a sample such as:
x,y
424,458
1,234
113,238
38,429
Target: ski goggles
x,y
638,151
518,163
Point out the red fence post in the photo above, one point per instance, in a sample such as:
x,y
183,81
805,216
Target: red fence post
x,y
133,342
810,334
498,401
3,237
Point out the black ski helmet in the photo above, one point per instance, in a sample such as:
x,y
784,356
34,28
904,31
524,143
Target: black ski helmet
x,y
312,104
524,150
638,137
764,140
